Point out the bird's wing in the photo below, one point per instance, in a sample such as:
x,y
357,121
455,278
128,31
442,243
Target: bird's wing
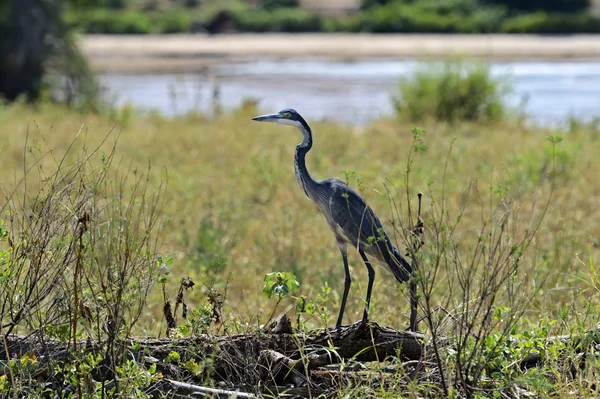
x,y
349,211
353,220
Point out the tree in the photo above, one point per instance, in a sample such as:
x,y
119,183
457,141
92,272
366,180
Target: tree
x,y
34,40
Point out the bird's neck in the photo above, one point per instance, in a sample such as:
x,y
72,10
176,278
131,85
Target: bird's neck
x,y
307,183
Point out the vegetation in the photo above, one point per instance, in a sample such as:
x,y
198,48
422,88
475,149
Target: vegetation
x,y
460,16
509,252
547,5
30,56
453,91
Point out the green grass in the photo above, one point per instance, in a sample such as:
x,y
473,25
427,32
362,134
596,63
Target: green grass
x,y
233,211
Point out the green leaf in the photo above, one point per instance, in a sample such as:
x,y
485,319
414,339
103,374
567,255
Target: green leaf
x,y
280,284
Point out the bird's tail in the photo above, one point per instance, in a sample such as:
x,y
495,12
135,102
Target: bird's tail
x,y
399,266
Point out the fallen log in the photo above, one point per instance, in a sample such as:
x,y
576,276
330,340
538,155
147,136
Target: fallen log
x,y
249,358
261,358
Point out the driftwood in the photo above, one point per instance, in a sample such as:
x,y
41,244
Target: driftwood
x,y
237,363
247,358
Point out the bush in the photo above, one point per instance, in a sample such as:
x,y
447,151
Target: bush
x,y
112,22
541,22
451,92
398,18
463,16
274,4
119,4
365,4
175,21
423,16
280,20
546,5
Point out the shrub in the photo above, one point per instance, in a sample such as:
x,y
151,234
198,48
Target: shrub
x,y
252,21
79,254
274,4
112,22
546,5
451,16
280,20
119,4
365,4
451,92
428,16
541,22
175,21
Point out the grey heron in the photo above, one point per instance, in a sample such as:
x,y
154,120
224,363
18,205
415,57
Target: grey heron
x,y
348,215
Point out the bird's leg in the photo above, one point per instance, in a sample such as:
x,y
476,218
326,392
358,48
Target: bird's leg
x,y
369,286
348,280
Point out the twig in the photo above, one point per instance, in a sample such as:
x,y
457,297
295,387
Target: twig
x,y
10,372
417,244
190,389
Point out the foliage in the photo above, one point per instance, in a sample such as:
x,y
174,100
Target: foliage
x,y
281,284
457,16
545,5
452,91
542,22
278,20
365,4
111,22
465,16
273,4
175,21
30,57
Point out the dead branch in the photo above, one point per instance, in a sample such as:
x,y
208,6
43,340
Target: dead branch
x,y
185,390
263,358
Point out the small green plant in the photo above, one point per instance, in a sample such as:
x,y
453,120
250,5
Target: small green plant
x,y
138,379
281,284
198,322
4,385
318,307
173,357
453,91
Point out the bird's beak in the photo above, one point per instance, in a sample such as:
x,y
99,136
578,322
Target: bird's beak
x,y
267,118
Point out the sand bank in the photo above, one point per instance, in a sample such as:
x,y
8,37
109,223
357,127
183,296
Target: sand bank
x,y
169,53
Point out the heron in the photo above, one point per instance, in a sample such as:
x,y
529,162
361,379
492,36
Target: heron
x,y
348,215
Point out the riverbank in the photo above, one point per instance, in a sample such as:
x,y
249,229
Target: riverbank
x,y
193,52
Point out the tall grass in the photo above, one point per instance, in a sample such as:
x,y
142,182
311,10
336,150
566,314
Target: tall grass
x,y
79,253
231,194
233,212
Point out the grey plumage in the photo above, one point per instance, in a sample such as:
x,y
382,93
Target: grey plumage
x,y
348,215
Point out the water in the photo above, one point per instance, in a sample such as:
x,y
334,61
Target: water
x,y
355,92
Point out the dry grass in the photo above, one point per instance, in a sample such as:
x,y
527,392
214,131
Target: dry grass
x,y
232,193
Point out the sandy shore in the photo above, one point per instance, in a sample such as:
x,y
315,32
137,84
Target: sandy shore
x,y
149,53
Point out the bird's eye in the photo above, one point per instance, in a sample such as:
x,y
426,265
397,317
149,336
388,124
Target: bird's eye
x,y
287,115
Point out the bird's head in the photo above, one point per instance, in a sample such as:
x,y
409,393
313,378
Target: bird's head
x,y
287,116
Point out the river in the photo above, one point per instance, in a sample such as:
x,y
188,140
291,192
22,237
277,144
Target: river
x,y
354,91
